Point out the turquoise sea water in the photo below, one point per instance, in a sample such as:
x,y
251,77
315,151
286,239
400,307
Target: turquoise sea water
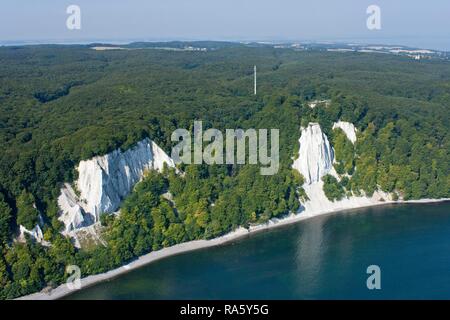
x,y
321,258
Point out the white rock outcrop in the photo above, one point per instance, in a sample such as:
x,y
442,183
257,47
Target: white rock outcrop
x,y
35,233
315,154
348,128
104,181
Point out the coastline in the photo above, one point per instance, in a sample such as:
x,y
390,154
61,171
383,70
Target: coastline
x,y
63,290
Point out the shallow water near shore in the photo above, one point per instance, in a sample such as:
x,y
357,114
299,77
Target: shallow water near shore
x,y
325,257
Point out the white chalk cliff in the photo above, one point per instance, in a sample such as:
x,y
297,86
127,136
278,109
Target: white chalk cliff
x,y
315,160
104,181
315,154
348,128
72,214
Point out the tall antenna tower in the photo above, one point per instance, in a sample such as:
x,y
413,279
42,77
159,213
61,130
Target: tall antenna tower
x,y
255,80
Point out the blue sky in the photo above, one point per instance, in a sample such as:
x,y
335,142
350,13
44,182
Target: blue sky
x,y
410,22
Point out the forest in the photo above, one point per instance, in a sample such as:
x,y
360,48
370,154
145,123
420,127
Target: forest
x,y
63,104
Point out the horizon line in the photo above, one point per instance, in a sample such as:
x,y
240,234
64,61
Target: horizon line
x,y
358,42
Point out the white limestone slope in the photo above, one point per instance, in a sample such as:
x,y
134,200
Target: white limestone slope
x,y
36,233
315,154
318,203
348,128
104,181
315,160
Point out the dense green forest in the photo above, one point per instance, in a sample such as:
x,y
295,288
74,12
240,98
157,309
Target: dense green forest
x,y
63,104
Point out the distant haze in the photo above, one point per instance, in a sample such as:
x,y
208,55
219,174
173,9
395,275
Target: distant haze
x,y
406,22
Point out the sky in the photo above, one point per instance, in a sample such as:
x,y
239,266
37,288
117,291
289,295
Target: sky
x,y
418,23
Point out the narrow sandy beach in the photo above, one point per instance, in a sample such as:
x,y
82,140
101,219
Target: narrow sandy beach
x,y
63,289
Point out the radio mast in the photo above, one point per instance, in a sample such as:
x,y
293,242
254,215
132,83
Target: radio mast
x,y
255,80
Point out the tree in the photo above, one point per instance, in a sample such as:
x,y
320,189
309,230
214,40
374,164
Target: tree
x,y
344,152
5,219
174,234
4,277
332,189
27,214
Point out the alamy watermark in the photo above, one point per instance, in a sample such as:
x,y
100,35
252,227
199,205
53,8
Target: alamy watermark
x,y
73,22
374,280
373,22
191,150
374,19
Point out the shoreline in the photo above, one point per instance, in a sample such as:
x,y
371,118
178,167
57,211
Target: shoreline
x,y
62,290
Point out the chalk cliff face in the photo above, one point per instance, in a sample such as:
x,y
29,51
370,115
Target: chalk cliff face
x,y
348,128
315,160
72,214
104,181
315,155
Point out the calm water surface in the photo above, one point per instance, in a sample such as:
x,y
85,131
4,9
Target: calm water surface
x,y
321,258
